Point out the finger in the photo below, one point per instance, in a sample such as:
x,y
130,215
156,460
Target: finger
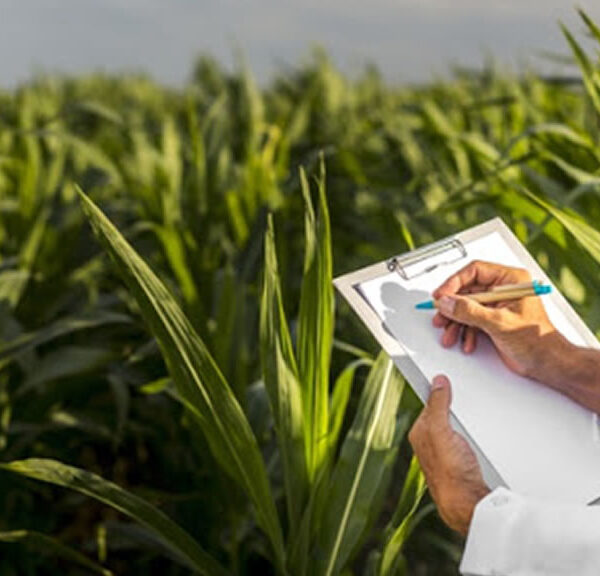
x,y
440,321
438,404
469,339
467,311
450,335
482,273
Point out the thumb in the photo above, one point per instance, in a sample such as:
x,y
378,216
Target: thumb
x,y
467,311
440,398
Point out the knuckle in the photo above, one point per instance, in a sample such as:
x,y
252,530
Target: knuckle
x,y
522,274
496,318
413,434
418,431
463,307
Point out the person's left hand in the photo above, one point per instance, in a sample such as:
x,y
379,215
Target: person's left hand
x,y
450,466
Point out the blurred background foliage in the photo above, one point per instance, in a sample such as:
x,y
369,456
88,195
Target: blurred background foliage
x,y
189,176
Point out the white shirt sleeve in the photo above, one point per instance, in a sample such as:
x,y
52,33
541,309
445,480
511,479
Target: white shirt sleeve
x,y
511,535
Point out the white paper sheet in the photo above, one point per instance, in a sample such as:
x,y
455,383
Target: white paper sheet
x,y
540,442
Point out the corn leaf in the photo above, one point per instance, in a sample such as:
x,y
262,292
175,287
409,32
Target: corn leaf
x,y
404,518
315,326
196,376
281,380
360,469
339,399
590,73
61,328
586,235
175,538
175,252
593,28
65,362
47,544
93,155
13,283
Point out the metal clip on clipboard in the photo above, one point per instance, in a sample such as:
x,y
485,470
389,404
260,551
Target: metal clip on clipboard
x,y
424,260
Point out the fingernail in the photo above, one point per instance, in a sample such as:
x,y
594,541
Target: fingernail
x,y
438,383
446,305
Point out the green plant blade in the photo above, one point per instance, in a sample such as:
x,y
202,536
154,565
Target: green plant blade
x,y
47,544
590,74
360,468
586,235
170,534
281,380
59,329
405,517
394,564
65,362
339,399
315,326
591,25
196,376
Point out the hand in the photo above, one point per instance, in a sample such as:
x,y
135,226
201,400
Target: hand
x,y
450,466
520,329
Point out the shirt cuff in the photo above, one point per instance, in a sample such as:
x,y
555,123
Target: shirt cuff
x,y
489,537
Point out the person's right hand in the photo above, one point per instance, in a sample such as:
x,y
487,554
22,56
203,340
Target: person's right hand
x,y
521,331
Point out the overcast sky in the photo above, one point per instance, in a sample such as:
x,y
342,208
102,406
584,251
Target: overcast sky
x,y
409,40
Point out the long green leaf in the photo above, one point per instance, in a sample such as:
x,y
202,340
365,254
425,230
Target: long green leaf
x,y
177,257
196,376
586,235
13,283
170,534
339,399
591,25
281,380
404,518
315,326
590,74
47,544
65,362
90,153
360,469
59,329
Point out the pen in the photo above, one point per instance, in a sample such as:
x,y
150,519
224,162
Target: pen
x,y
499,294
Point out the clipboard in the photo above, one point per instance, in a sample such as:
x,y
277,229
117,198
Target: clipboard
x,y
500,466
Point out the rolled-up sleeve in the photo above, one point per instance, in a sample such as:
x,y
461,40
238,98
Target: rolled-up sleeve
x,y
515,536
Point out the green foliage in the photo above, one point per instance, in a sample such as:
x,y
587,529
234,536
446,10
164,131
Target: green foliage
x,y
51,546
406,516
197,378
315,327
367,455
215,384
170,534
283,385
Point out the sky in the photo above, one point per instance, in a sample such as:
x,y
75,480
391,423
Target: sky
x,y
409,40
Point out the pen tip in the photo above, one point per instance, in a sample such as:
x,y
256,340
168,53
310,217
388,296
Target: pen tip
x,y
429,305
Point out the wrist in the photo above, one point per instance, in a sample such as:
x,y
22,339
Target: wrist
x,y
581,377
552,361
573,371
458,506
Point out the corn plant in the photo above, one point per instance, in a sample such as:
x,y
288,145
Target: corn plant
x,y
331,500
188,176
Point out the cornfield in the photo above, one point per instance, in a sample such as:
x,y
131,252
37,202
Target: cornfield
x,y
178,392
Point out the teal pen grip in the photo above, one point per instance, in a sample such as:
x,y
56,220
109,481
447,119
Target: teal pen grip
x,y
538,290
